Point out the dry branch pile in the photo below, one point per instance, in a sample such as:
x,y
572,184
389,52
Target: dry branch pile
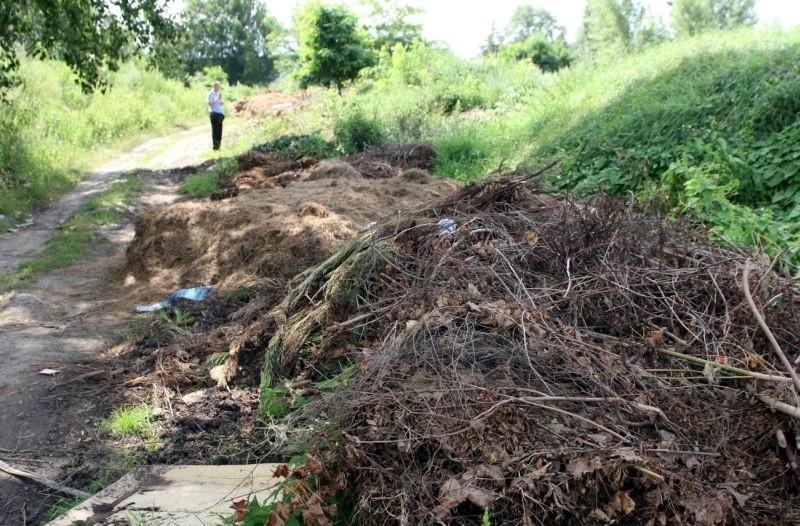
x,y
552,362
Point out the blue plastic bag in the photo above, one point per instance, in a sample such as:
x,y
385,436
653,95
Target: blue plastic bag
x,y
193,294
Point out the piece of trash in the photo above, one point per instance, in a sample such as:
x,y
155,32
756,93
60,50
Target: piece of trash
x,y
369,226
193,294
446,226
49,372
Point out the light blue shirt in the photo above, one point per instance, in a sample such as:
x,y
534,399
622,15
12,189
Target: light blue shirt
x,y
216,107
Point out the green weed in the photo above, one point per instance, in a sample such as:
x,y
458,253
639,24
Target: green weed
x,y
132,421
62,506
355,133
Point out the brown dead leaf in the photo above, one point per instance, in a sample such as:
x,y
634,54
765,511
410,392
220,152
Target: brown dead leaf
x,y
708,510
598,515
655,338
274,520
529,478
313,514
282,470
582,465
473,291
239,510
489,471
314,466
622,504
531,237
454,492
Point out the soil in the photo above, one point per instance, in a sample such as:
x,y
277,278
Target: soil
x,y
80,320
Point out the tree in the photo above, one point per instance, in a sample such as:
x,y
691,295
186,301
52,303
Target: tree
x,y
604,31
232,34
333,49
528,21
89,35
493,44
388,23
549,56
614,27
690,17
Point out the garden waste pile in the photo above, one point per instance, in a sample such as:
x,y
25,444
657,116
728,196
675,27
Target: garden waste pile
x,y
493,353
275,218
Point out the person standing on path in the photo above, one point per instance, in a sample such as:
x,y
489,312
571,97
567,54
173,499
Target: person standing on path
x,y
216,114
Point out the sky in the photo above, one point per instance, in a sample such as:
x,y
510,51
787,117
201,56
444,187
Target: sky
x,y
464,24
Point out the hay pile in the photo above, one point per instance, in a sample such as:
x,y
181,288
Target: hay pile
x,y
550,362
268,104
282,217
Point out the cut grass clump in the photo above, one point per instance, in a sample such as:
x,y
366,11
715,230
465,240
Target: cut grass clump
x,y
133,421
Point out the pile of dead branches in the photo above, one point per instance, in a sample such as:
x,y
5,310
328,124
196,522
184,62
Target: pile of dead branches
x,y
544,362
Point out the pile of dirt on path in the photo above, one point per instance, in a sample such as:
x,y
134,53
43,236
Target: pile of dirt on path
x,y
287,216
266,104
541,362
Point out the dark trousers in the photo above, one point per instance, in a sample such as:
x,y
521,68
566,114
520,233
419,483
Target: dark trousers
x,y
216,129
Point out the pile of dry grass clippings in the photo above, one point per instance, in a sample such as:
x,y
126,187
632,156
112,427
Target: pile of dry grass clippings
x,y
550,362
275,225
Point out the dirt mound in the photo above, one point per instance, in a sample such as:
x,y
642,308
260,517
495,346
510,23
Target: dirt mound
x,y
267,104
549,362
288,215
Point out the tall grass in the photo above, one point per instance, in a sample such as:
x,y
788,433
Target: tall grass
x,y
49,126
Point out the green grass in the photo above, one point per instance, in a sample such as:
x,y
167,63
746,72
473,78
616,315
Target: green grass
x,y
133,421
62,506
206,183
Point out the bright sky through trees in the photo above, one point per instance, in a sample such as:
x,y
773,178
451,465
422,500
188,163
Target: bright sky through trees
x,y
464,24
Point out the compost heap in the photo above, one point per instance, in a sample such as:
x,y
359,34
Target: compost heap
x,y
268,104
536,362
276,217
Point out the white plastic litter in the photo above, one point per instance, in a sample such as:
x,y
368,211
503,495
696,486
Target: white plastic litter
x,y
446,226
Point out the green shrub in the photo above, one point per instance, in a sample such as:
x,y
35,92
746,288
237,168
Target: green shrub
x,y
297,146
464,154
355,133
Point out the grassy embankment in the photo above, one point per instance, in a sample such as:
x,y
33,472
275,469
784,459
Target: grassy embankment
x,y
709,125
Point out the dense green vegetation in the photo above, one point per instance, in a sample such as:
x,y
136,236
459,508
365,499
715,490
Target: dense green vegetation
x,y
50,126
709,125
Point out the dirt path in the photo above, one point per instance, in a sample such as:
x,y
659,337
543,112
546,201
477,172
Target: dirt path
x,y
66,315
